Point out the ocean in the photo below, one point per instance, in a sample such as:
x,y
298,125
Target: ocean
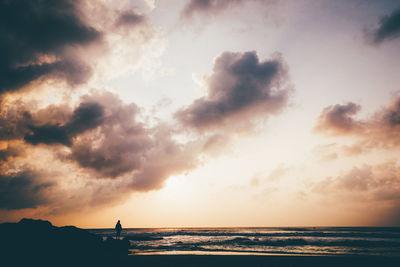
x,y
376,241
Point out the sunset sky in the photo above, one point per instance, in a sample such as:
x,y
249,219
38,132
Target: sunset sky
x,y
168,113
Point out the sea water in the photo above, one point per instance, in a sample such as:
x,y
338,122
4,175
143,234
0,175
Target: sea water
x,y
380,241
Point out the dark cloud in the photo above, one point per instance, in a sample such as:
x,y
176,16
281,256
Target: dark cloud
x,y
72,70
10,151
48,134
35,35
17,119
194,7
388,27
87,116
130,18
338,119
240,88
22,190
13,123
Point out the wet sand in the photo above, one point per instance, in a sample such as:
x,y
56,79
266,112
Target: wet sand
x,y
247,260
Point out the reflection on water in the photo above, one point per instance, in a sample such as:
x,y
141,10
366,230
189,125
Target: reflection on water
x,y
260,241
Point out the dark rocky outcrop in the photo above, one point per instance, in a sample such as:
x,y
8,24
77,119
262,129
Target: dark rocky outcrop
x,y
116,247
39,243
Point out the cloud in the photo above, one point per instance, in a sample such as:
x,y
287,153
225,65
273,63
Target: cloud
x,y
241,87
338,119
106,138
32,46
326,152
48,134
109,155
123,146
130,18
130,42
22,190
388,28
278,172
13,122
376,186
56,190
203,7
50,125
100,148
391,114
97,42
211,8
87,116
9,150
119,143
381,130
166,158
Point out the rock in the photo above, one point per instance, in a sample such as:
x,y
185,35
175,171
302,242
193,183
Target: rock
x,y
117,246
39,243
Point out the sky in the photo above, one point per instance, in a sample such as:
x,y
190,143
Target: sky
x,y
200,113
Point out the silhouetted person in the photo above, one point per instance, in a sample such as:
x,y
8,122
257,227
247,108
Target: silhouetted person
x,y
118,229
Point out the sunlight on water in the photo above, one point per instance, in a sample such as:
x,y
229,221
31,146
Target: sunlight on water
x,y
262,241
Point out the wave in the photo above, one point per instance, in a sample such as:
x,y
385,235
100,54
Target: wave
x,y
308,242
391,235
246,242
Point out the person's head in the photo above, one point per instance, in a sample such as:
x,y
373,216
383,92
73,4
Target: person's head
x,y
118,220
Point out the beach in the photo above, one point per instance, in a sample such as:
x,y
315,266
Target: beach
x,y
39,243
